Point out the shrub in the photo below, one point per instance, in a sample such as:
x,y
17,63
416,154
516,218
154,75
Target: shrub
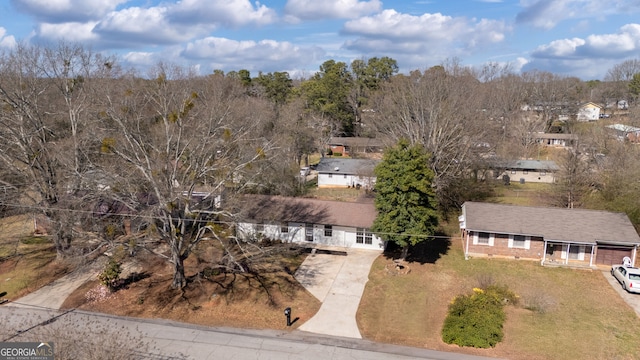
x,y
475,320
111,274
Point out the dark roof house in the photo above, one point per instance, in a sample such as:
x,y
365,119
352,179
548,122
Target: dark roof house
x,y
551,235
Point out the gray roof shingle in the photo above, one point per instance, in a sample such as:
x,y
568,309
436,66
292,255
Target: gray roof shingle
x,y
556,224
346,166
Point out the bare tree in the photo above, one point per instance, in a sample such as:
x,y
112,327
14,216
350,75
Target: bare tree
x,y
46,95
185,139
438,110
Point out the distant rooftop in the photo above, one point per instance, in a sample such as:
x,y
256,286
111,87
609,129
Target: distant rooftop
x,y
346,166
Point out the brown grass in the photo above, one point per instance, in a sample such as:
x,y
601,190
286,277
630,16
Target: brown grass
x,y
251,300
583,317
27,262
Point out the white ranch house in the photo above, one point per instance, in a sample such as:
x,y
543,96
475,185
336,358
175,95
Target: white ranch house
x,y
336,172
309,221
541,171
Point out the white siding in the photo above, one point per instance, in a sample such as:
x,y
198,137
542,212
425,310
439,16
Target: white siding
x,y
344,180
342,236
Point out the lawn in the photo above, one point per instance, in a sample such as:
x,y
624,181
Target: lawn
x,y
27,262
562,313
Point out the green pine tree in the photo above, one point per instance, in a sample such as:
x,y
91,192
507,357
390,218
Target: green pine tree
x,y
405,199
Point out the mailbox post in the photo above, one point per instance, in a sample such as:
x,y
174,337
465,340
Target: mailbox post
x,y
287,313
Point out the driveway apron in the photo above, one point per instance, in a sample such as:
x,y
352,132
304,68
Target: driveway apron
x,y
338,282
632,299
53,295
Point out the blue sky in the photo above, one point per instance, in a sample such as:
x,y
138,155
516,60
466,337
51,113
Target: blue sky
x,y
582,38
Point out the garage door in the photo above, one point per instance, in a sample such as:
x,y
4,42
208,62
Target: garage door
x,y
611,255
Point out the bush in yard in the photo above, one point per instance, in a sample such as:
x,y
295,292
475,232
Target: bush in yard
x,y
111,274
476,320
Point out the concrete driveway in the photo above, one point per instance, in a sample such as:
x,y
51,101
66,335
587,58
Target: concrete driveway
x,y
632,299
336,279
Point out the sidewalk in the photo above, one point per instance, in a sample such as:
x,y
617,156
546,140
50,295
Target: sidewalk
x,y
338,282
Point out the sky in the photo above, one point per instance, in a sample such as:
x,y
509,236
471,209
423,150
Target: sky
x,y
582,38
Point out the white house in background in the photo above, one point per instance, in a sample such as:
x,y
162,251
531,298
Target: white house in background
x,y
336,172
308,221
589,112
541,171
556,140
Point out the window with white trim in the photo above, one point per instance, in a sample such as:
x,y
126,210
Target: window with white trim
x,y
260,227
284,228
328,230
483,238
364,237
308,232
368,238
519,241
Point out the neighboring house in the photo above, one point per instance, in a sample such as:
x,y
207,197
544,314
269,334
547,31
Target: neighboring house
x,y
556,140
309,221
355,145
554,236
543,171
589,112
625,132
336,172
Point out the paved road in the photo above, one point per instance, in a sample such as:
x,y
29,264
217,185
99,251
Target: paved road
x,y
632,299
197,342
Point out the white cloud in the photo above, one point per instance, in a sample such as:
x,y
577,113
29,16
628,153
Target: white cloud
x,y
136,25
264,55
590,57
60,11
625,42
230,13
430,36
6,41
330,9
547,14
71,31
559,48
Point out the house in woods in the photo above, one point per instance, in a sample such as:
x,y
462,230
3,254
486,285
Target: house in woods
x,y
345,173
556,140
348,146
625,132
589,112
553,236
308,221
541,171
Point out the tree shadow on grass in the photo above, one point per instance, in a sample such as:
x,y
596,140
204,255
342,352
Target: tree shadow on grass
x,y
133,278
426,252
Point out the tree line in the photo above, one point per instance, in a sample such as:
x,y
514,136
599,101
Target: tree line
x,y
87,142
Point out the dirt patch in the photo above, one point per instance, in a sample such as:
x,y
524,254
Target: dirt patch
x,y
249,300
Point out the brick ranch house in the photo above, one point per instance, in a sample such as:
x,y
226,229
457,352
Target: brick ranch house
x,y
308,222
553,236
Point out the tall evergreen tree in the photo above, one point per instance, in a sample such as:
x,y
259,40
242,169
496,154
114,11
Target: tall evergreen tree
x,y
405,199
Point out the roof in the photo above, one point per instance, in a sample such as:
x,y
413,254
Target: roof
x,y
624,128
304,210
356,142
590,104
556,224
346,166
531,165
